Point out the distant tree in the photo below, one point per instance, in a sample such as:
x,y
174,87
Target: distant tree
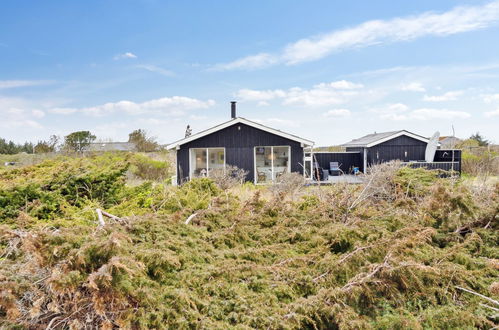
x,y
467,144
10,147
5,147
78,141
482,142
42,147
28,147
47,146
142,142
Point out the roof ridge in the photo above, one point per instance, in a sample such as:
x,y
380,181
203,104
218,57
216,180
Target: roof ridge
x,y
372,138
240,120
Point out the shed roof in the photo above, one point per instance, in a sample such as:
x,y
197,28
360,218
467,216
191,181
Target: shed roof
x,y
234,121
110,146
371,140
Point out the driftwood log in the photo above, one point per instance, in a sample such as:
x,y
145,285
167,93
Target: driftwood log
x,y
190,218
101,214
479,295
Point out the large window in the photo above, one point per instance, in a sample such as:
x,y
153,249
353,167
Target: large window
x,y
271,162
204,160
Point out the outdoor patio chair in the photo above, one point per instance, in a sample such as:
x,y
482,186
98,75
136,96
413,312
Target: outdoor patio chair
x,y
320,174
334,169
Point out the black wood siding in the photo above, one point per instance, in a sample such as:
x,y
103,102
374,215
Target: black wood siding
x,y
445,166
449,155
395,149
347,160
445,155
239,141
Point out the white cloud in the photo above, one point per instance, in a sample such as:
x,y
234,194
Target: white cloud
x,y
341,84
196,117
391,109
127,55
413,87
400,111
449,96
259,95
375,32
62,111
15,117
425,114
156,69
494,113
248,63
336,113
323,94
174,106
21,123
490,98
317,96
4,84
38,113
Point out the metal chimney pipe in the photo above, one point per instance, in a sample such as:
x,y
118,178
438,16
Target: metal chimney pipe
x,y
233,109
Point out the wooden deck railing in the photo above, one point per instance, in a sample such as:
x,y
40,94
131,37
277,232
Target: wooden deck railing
x,y
446,166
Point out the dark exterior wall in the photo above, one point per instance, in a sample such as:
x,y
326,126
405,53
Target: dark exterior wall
x,y
357,149
449,156
445,155
239,148
347,160
395,149
360,150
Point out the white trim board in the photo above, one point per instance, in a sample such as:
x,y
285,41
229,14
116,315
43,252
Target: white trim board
x,y
238,120
336,152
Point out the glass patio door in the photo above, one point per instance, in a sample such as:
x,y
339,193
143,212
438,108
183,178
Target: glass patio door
x,y
271,162
204,160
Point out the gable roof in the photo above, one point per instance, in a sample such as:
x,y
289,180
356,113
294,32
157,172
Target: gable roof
x,y
371,140
238,120
110,146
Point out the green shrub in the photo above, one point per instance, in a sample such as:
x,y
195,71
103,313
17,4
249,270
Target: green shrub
x,y
393,261
150,169
49,189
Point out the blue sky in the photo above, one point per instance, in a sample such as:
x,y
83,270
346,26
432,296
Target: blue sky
x,y
328,71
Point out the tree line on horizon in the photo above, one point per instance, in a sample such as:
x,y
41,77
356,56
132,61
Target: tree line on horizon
x,y
77,141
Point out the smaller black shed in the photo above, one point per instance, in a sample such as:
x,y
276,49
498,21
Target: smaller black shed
x,y
264,152
383,147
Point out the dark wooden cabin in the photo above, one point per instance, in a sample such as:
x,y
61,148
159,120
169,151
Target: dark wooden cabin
x,y
399,145
264,152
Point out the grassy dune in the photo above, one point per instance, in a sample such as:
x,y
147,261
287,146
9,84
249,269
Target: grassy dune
x,y
393,253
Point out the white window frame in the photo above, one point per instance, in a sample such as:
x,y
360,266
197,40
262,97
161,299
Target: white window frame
x,y
310,159
191,170
255,179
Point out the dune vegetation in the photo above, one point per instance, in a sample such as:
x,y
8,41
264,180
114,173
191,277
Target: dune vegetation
x,y
406,249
